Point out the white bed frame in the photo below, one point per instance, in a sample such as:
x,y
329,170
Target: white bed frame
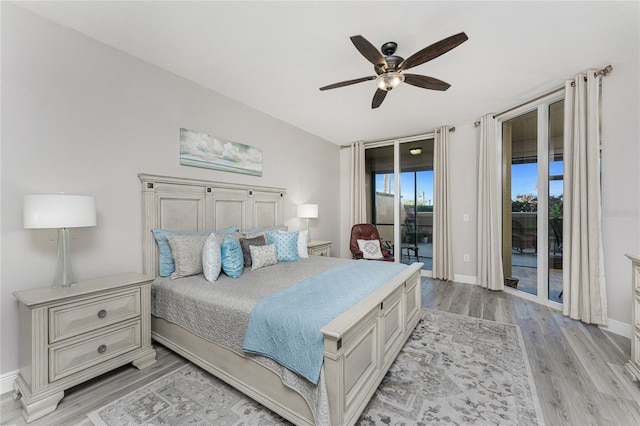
x,y
359,345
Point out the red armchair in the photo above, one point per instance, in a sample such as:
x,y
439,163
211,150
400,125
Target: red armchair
x,y
367,231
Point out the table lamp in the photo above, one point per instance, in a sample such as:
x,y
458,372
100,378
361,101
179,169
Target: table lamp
x,y
307,211
61,211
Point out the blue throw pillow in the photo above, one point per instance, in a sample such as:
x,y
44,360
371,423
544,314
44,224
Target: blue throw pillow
x,y
286,245
166,265
232,258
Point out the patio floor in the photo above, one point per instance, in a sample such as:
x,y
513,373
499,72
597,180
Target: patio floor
x,y
425,255
524,268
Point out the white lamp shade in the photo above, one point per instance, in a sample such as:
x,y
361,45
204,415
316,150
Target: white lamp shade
x,y
43,211
307,210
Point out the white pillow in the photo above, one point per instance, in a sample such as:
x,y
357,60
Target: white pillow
x,y
303,251
211,258
370,249
262,256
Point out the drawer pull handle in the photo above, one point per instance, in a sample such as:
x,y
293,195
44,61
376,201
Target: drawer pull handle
x,y
102,313
102,349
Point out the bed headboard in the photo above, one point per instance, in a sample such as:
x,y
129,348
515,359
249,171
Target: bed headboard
x,y
191,204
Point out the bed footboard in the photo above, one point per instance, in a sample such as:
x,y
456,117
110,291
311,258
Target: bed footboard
x,y
361,344
359,347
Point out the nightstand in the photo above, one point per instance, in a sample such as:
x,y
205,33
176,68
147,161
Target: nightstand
x,y
632,367
70,335
319,248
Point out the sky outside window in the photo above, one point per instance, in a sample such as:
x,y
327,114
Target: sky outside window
x,y
524,179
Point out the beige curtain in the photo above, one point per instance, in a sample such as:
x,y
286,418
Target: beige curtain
x,y
358,196
489,243
584,290
442,251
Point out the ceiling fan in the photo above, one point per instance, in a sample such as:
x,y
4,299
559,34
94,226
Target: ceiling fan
x,y
390,69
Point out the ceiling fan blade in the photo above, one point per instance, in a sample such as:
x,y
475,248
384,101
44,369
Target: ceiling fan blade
x,y
426,82
369,51
347,83
378,97
433,51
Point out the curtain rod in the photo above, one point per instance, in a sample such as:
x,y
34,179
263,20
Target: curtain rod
x,y
603,72
451,129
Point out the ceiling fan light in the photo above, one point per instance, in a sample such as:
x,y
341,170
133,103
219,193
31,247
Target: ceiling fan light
x,y
389,80
415,151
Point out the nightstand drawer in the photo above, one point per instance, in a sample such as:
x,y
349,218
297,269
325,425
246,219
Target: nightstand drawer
x,y
319,248
323,251
73,319
66,359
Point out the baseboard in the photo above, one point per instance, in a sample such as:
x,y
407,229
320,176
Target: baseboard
x,y
465,279
6,381
618,327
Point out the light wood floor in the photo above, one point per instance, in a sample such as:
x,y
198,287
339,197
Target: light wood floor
x,y
578,369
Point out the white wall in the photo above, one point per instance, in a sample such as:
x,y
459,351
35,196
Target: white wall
x,y
83,118
464,180
620,188
620,182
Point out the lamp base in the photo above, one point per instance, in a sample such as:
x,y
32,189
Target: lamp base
x,y
64,274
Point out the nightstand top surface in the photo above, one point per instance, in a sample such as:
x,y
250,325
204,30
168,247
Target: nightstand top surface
x,y
47,294
314,243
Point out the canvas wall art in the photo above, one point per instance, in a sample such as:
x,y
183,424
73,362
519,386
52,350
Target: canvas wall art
x,y
210,152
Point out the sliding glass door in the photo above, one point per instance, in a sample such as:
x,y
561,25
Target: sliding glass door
x,y
532,171
400,197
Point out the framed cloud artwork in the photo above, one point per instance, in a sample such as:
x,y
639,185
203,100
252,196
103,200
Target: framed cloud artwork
x,y
210,152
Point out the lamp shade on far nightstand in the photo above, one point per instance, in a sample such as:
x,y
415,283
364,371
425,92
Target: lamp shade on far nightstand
x,y
61,211
307,211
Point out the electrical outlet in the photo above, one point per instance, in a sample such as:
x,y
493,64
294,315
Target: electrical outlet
x,y
466,257
465,218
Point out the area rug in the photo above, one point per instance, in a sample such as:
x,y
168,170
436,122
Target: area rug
x,y
453,370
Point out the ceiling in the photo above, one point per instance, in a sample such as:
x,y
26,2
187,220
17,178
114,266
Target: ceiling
x,y
273,56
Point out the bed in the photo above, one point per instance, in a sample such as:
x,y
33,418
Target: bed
x,y
359,344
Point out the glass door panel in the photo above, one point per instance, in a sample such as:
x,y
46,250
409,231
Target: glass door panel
x,y
380,193
416,210
520,202
556,192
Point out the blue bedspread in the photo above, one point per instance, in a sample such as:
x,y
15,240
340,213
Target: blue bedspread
x,y
285,325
